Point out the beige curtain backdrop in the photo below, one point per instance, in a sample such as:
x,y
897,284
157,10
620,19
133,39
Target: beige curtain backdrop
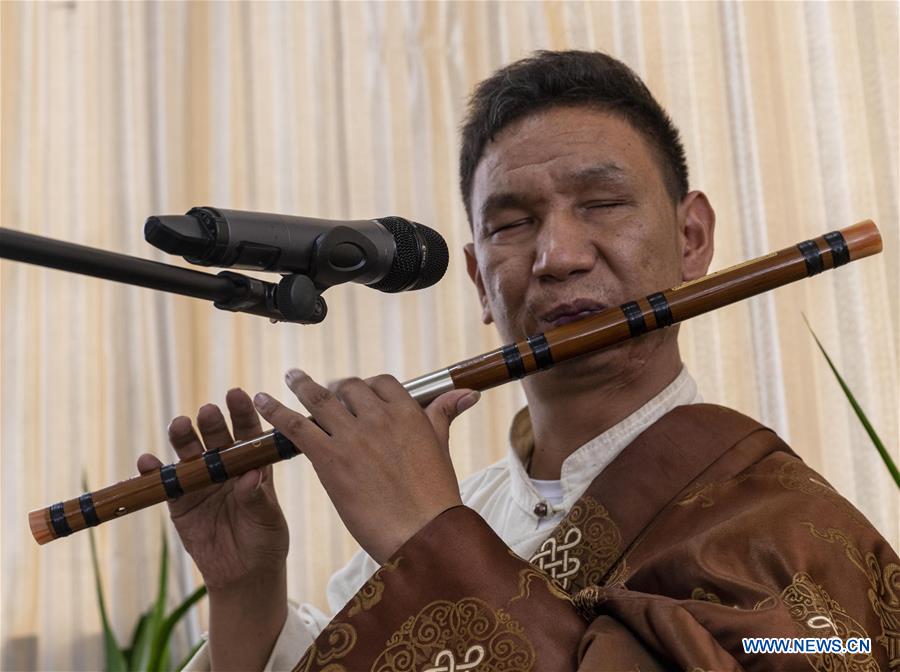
x,y
112,112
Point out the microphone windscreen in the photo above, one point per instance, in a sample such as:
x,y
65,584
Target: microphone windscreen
x,y
421,258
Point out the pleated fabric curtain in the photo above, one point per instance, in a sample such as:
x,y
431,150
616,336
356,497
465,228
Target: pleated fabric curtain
x,y
112,112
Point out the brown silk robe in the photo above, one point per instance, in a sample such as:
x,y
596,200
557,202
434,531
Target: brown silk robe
x,y
706,529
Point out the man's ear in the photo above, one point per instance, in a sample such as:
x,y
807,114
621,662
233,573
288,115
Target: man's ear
x,y
475,275
697,220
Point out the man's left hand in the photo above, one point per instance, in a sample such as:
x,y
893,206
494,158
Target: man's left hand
x,y
383,460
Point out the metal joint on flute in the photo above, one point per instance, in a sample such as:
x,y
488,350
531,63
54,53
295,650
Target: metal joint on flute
x,y
429,387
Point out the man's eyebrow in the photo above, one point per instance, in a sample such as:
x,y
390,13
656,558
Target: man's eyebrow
x,y
503,199
602,172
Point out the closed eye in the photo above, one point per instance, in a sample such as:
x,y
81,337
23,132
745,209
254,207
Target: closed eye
x,y
509,226
604,204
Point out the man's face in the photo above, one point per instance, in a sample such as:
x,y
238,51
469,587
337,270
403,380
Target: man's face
x,y
570,216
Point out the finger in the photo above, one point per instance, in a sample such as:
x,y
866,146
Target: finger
x,y
303,432
446,408
246,425
147,463
244,419
325,407
213,427
388,388
356,395
184,439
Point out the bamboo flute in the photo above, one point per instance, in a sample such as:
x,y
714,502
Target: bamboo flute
x,y
510,362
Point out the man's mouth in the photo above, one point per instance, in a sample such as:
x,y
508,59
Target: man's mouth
x,y
571,312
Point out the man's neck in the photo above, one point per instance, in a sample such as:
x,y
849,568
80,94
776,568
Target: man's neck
x,y
564,418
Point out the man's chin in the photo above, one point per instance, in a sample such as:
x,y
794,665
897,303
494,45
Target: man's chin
x,y
596,366
618,364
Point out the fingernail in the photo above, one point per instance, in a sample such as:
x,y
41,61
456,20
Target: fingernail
x,y
468,401
293,374
262,400
171,427
258,482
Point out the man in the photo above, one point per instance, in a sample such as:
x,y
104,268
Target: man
x,y
671,529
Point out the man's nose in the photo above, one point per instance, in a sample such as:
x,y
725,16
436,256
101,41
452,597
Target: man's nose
x,y
563,249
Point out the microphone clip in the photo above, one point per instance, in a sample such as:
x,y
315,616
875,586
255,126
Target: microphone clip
x,y
294,299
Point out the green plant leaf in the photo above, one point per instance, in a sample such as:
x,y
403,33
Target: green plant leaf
x,y
160,647
879,446
142,649
136,636
115,659
190,655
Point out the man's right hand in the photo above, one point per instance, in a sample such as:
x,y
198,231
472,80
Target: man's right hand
x,y
236,534
235,531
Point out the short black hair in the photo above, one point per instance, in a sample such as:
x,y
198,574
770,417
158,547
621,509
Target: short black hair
x,y
568,79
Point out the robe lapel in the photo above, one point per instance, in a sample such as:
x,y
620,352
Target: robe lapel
x,y
587,547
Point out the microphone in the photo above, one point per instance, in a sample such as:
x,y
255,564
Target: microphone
x,y
390,254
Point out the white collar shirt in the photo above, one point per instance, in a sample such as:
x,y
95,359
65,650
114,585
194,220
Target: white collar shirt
x,y
508,499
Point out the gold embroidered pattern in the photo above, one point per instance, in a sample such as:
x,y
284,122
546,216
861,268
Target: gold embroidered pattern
x,y
444,631
703,493
370,594
797,476
587,602
445,661
554,558
700,594
598,547
617,577
818,615
529,574
700,494
883,593
340,639
765,603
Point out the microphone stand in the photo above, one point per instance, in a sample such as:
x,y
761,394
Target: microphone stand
x,y
294,299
